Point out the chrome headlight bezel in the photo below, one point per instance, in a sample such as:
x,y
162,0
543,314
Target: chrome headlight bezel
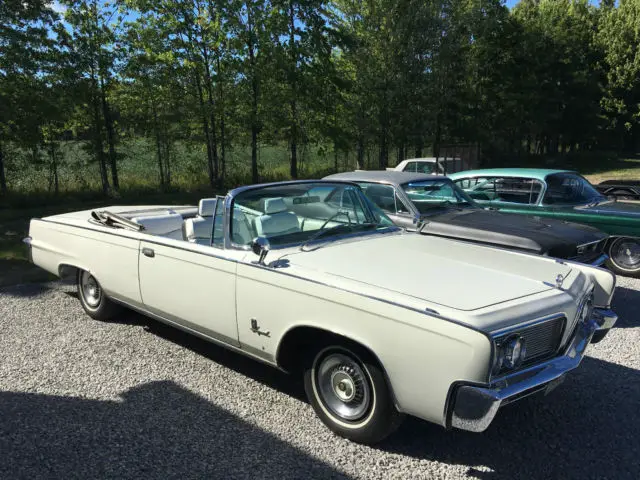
x,y
509,353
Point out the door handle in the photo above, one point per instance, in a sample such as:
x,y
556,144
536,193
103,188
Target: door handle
x,y
148,252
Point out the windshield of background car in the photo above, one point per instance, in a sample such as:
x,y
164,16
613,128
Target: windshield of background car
x,y
429,194
420,167
569,189
294,213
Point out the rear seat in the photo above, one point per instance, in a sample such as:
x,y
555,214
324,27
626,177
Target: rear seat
x,y
165,225
199,229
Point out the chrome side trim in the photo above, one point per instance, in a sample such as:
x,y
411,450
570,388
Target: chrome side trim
x,y
473,407
251,352
504,331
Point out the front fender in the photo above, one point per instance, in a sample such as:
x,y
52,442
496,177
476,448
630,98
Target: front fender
x,y
604,283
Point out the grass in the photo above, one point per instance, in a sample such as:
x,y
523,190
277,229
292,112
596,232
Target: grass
x,y
623,169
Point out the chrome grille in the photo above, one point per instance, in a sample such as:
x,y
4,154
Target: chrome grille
x,y
542,339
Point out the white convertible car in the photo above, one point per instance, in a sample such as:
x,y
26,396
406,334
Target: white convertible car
x,y
310,277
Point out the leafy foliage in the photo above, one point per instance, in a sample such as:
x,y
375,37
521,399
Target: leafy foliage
x,y
184,92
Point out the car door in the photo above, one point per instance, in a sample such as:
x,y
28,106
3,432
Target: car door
x,y
191,284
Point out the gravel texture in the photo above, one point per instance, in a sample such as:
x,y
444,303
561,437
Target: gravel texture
x,y
135,399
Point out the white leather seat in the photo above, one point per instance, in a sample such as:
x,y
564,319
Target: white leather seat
x,y
199,229
167,225
277,220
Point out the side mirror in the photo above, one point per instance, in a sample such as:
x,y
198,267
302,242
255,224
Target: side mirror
x,y
260,246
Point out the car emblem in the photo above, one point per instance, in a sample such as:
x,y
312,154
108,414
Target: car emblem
x,y
559,280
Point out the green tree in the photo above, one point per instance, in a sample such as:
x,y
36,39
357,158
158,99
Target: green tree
x,y
25,59
620,38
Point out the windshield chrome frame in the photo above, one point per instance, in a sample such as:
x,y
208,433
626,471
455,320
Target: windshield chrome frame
x,y
230,198
472,203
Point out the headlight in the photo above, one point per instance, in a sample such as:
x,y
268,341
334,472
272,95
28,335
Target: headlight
x,y
515,350
510,353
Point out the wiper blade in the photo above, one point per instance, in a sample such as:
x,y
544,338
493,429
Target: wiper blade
x,y
322,233
351,227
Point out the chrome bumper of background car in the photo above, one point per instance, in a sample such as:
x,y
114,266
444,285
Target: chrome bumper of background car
x,y
600,260
27,242
474,407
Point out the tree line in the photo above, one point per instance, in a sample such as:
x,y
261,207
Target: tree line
x,y
402,77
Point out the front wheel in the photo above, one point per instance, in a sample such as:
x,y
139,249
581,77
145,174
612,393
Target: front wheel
x,y
350,394
93,299
624,256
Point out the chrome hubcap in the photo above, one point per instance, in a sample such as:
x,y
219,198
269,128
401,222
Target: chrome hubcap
x,y
343,387
90,289
626,253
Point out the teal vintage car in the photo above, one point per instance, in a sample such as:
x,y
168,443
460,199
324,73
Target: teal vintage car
x,y
562,194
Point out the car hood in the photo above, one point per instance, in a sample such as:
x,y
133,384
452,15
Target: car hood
x,y
622,209
433,270
555,237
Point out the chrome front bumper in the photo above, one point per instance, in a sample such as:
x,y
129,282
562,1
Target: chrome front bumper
x,y
474,407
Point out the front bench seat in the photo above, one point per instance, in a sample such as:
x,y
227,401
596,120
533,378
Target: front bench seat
x,y
200,228
277,220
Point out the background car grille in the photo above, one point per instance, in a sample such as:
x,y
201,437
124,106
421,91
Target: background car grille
x,y
589,252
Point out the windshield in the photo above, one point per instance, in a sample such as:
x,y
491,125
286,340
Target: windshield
x,y
298,212
438,193
570,189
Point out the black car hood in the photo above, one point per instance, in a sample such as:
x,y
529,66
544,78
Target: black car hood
x,y
554,237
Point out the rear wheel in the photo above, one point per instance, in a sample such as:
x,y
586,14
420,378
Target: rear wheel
x,y
624,256
349,392
93,299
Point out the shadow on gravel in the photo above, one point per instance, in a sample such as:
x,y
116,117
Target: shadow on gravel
x,y
158,430
262,373
626,303
587,428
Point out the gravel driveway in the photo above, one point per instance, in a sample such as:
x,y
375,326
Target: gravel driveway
x,y
133,398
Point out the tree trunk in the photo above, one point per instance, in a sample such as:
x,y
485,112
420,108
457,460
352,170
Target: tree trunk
x,y
335,157
436,141
294,93
111,140
158,146
384,151
212,115
205,130
97,141
3,178
221,109
360,155
254,113
53,168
